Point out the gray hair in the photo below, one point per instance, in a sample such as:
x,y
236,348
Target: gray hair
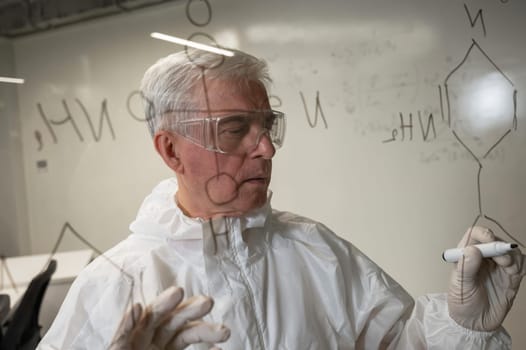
x,y
170,84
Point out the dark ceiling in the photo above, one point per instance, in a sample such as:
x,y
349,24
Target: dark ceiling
x,y
25,17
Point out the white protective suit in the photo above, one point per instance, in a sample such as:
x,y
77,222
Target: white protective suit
x,y
279,281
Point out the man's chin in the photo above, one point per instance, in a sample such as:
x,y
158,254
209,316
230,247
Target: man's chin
x,y
251,200
259,201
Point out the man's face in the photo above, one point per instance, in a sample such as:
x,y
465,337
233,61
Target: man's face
x,y
214,184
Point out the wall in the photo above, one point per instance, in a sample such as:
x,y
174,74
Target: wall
x,y
14,237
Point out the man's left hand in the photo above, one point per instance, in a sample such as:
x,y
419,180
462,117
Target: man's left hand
x,y
482,290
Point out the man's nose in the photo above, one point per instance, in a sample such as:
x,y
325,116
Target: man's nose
x,y
264,147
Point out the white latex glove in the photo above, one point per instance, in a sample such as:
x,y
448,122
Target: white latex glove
x,y
168,323
480,297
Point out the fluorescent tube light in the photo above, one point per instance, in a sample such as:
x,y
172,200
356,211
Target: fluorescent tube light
x,y
193,44
11,80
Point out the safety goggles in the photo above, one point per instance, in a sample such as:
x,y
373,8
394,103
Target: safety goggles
x,y
237,133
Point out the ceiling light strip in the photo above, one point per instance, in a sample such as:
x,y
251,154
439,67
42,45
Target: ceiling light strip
x,y
11,80
193,44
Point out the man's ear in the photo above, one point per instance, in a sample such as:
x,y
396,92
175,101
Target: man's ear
x,y
165,144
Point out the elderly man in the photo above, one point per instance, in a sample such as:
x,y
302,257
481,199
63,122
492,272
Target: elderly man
x,y
277,280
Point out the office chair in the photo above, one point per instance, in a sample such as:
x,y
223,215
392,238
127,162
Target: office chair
x,y
21,330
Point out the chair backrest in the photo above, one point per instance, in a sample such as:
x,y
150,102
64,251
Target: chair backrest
x,y
22,330
5,302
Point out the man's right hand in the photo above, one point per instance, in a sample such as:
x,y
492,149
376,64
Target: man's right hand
x,y
168,323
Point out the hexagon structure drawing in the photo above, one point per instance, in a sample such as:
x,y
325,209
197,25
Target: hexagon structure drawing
x,y
481,110
481,102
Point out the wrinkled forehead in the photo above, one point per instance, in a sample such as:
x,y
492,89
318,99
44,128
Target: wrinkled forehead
x,y
220,95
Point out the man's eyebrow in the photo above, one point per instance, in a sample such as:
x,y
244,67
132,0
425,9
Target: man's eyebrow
x,y
211,110
236,118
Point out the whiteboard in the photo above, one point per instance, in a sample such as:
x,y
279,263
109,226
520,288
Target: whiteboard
x,y
396,161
